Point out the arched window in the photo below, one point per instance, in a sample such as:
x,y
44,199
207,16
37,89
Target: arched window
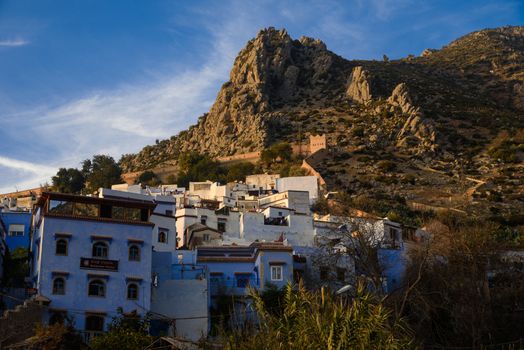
x,y
132,291
134,253
59,286
97,288
94,323
162,237
100,250
61,247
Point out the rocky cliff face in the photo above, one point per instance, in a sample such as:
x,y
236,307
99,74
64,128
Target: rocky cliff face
x,y
284,89
359,88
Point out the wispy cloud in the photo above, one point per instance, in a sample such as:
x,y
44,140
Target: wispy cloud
x,y
13,42
29,174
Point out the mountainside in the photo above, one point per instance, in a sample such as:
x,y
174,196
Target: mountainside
x,y
438,119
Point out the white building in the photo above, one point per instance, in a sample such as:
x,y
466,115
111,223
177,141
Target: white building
x,y
245,227
299,183
296,200
262,182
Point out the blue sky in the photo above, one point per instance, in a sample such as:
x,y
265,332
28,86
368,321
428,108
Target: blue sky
x,y
79,78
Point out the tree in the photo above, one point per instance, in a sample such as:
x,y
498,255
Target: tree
x,y
101,171
68,180
469,291
148,178
318,320
198,167
239,171
126,332
16,267
281,151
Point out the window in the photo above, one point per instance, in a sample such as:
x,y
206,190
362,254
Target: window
x,y
59,286
61,247
162,237
393,234
341,274
206,237
324,272
169,212
279,213
221,226
100,250
216,277
16,230
203,220
95,323
60,207
85,209
134,253
276,273
97,288
242,280
132,291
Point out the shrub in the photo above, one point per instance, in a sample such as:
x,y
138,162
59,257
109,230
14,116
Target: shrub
x,y
386,165
318,320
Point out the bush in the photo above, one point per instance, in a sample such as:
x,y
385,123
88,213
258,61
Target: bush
x,y
358,131
148,178
318,320
126,332
386,165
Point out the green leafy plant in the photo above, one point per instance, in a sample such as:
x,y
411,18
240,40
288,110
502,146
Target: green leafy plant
x,y
319,320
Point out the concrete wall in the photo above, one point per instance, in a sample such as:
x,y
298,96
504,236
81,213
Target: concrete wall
x,y
394,263
189,216
299,230
167,225
297,200
300,183
266,259
186,302
80,245
252,157
314,160
262,181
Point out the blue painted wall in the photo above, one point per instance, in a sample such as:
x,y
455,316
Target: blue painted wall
x,y
21,218
76,300
394,264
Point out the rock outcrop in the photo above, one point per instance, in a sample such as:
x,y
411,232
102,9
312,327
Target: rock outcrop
x,y
400,97
359,87
417,133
